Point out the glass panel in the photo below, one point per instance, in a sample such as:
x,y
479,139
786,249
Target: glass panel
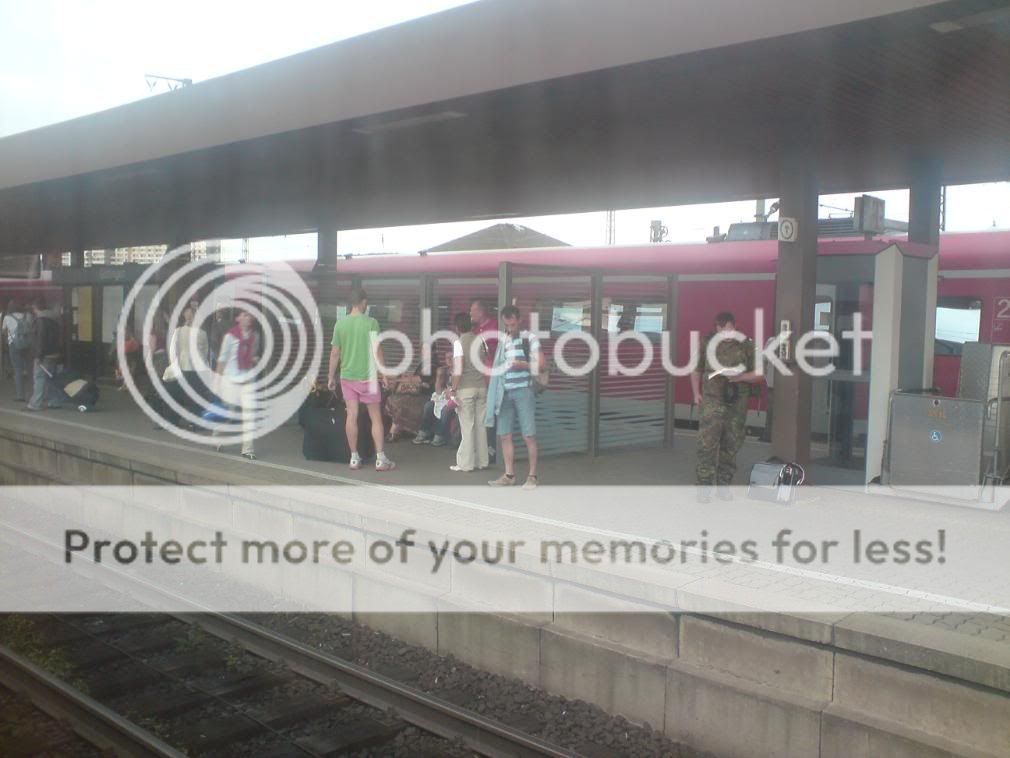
x,y
560,299
632,407
112,306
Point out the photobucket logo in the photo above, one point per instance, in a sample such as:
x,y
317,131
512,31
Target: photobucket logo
x,y
241,386
812,352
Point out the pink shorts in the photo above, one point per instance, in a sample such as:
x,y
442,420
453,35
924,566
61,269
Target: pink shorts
x,y
359,391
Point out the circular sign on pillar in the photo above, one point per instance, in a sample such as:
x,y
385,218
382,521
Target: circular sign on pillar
x,y
789,230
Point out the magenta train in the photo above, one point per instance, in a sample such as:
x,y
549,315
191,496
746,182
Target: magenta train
x,y
973,304
973,301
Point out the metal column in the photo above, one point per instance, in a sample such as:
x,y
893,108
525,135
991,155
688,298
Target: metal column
x,y
670,398
97,329
326,248
595,331
795,288
925,200
426,302
504,285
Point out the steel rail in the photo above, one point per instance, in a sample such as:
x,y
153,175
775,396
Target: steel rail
x,y
96,723
419,708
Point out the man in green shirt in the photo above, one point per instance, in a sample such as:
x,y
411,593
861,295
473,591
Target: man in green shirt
x,y
355,351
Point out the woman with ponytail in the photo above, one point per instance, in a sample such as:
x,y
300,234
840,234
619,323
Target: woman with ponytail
x,y
236,373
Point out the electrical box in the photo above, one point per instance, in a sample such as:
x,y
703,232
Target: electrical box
x,y
936,442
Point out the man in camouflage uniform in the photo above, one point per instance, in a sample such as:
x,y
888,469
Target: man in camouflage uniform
x,y
723,401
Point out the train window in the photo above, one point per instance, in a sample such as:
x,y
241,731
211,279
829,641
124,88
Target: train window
x,y
957,321
822,315
340,311
387,312
647,318
569,317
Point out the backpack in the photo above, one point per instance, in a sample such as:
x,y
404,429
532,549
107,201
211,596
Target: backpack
x,y
541,379
21,339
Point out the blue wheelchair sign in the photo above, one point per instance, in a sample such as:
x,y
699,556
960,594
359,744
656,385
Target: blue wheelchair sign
x,y
935,435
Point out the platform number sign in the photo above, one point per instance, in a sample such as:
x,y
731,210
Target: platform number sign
x,y
789,230
1001,320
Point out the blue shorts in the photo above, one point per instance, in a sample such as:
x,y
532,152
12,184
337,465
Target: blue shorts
x,y
523,403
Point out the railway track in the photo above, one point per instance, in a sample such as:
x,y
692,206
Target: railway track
x,y
212,684
462,731
28,731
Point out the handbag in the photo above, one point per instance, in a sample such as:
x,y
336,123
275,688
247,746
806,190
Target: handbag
x,y
775,482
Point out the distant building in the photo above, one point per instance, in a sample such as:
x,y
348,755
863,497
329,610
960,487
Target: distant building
x,y
499,237
144,254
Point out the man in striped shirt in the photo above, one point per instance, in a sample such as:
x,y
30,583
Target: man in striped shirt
x,y
511,395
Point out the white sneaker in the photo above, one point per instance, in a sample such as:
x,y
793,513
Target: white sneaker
x,y
384,464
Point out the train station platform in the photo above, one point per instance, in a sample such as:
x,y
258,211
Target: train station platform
x,y
280,458
806,659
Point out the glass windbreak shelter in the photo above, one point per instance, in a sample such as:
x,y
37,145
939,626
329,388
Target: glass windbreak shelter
x,y
886,288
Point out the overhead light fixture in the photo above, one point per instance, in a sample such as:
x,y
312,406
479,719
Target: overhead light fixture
x,y
975,19
409,123
490,216
944,27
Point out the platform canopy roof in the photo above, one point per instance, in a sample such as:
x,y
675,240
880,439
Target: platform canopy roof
x,y
525,107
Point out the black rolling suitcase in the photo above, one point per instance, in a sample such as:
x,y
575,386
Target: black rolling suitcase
x,y
82,393
75,389
325,440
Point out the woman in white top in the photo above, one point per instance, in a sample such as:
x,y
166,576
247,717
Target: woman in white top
x,y
188,349
469,391
187,355
236,372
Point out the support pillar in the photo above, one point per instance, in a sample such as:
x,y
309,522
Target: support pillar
x,y
326,248
925,197
596,332
504,285
326,264
670,390
885,362
66,319
795,290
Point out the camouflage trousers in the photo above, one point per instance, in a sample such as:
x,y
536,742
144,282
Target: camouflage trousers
x,y
721,432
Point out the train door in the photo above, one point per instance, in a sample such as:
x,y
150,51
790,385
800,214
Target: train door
x,y
112,297
81,351
838,416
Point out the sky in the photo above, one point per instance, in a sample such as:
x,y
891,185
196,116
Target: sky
x,y
60,59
